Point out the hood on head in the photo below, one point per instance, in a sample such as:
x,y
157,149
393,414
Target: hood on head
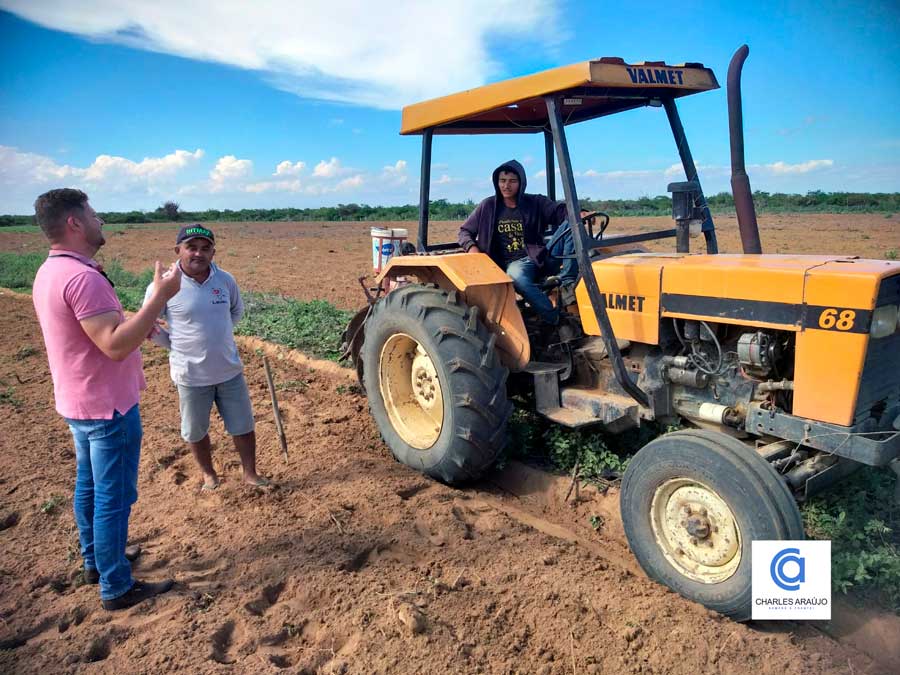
x,y
514,166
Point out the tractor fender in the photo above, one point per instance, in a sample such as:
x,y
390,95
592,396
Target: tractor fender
x,y
481,284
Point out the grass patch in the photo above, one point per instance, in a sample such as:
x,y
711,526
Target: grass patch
x,y
292,385
599,455
862,520
34,229
8,397
312,327
130,287
52,504
17,270
24,352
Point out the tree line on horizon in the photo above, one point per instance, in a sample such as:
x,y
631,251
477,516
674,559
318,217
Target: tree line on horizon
x,y
815,201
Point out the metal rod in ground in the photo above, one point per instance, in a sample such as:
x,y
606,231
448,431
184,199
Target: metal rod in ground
x,y
278,423
574,480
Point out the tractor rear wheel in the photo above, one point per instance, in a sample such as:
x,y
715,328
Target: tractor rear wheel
x,y
436,386
692,503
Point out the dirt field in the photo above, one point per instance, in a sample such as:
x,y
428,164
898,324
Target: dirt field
x,y
324,260
354,564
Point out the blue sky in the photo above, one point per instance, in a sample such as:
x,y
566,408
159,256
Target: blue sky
x,y
296,103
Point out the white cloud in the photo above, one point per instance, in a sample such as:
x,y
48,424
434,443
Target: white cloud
x,y
104,171
328,169
803,167
273,186
25,167
286,168
398,168
108,167
228,171
355,51
351,182
444,180
395,175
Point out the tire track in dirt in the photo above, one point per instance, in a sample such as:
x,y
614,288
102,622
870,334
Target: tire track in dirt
x,y
353,564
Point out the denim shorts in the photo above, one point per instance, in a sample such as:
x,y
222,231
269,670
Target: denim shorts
x,y
232,400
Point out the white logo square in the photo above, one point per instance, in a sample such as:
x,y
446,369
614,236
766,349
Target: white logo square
x,y
791,579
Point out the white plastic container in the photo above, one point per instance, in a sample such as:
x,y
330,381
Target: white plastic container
x,y
386,243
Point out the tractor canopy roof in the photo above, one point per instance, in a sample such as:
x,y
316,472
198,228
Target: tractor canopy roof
x,y
587,90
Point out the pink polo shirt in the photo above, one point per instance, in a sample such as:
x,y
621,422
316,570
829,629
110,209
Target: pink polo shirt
x,y
87,383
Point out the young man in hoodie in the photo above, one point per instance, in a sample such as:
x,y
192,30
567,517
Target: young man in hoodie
x,y
509,226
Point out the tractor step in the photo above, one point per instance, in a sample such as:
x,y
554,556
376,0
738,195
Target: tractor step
x,y
574,407
581,408
568,417
606,408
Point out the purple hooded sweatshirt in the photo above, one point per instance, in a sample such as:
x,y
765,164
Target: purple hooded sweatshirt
x,y
537,213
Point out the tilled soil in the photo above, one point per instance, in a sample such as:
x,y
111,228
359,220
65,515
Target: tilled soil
x,y
316,260
352,564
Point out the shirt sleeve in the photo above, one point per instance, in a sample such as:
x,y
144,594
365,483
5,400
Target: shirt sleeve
x,y
237,303
162,338
468,232
89,294
553,213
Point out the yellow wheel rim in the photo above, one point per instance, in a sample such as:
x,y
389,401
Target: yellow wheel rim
x,y
696,530
411,391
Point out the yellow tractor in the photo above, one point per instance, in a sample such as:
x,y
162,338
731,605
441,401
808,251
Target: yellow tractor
x,y
785,369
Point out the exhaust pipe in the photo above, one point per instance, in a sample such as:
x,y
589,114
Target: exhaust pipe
x,y
740,182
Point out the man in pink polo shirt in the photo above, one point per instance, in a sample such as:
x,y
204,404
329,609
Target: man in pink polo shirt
x,y
97,375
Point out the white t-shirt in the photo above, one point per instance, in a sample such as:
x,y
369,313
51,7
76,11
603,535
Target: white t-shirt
x,y
200,338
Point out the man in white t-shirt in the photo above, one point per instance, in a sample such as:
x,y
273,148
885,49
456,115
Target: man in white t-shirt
x,y
203,358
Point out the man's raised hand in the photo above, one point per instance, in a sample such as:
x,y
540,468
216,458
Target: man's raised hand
x,y
167,283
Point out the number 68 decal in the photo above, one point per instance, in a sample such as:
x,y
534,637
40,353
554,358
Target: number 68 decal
x,y
837,319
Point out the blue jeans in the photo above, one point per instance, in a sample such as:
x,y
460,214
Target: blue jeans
x,y
526,274
107,453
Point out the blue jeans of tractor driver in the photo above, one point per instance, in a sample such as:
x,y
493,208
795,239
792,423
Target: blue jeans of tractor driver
x,y
107,453
526,275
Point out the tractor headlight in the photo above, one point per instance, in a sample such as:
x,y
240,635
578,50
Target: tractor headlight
x,y
884,321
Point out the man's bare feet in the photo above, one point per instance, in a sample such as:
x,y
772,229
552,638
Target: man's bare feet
x,y
257,481
210,482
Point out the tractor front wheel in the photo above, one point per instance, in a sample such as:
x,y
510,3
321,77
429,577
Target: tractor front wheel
x,y
692,503
436,387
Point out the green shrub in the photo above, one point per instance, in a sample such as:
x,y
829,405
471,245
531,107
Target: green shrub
x,y
17,270
313,327
862,520
122,277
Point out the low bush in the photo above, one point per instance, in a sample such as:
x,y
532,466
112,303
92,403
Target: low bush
x,y
313,327
862,520
17,270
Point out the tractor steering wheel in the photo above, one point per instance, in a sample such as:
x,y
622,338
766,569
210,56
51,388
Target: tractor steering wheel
x,y
590,220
